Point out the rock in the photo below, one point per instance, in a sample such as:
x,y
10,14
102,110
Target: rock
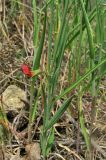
x,y
13,97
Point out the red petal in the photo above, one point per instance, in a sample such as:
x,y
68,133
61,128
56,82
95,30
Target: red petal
x,y
26,70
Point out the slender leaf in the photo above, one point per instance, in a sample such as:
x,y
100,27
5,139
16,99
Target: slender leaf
x,y
59,113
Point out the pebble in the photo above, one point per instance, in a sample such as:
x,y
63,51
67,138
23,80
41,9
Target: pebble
x,y
13,97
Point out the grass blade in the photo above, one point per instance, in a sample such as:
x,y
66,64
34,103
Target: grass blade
x,y
80,80
59,113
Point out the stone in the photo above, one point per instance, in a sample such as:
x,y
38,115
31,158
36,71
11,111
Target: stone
x,y
13,98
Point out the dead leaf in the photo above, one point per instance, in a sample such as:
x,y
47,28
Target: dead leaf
x,y
16,157
33,151
1,154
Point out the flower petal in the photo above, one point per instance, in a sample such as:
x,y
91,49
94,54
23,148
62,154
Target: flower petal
x,y
26,70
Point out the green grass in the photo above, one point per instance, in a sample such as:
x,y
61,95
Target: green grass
x,y
70,29
63,24
75,34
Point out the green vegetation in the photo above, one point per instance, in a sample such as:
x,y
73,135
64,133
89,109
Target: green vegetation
x,y
69,41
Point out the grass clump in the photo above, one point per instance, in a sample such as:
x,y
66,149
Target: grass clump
x,y
69,59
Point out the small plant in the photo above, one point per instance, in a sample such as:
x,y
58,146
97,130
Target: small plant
x,y
65,40
67,35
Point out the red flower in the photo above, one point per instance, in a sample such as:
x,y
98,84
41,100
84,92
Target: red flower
x,y
26,70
